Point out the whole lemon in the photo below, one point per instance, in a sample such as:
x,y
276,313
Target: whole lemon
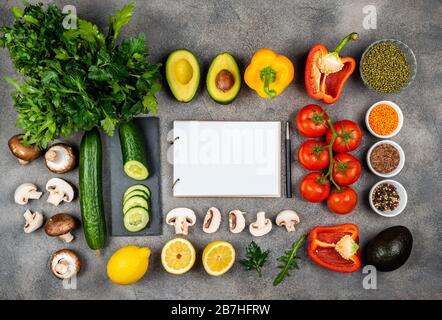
x,y
128,264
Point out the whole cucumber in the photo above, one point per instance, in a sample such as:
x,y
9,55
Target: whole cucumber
x,y
91,190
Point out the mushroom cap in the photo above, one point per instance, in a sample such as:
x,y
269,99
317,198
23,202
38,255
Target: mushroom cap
x,y
65,263
60,158
186,213
57,184
287,215
59,224
22,152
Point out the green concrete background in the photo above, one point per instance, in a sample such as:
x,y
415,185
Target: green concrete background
x,y
241,27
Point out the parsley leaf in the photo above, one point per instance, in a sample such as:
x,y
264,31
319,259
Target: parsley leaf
x,y
255,258
76,79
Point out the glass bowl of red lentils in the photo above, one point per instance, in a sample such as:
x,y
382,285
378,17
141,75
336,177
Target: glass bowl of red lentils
x,y
385,158
388,198
384,119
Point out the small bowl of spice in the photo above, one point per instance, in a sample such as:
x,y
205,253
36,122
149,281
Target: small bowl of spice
x,y
386,158
388,198
384,119
388,66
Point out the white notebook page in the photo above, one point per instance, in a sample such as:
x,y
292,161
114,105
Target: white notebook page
x,y
227,159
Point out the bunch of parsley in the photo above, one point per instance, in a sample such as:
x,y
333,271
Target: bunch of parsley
x,y
76,79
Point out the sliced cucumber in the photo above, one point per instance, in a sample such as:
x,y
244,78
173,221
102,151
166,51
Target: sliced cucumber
x,y
141,187
133,151
134,193
135,201
136,219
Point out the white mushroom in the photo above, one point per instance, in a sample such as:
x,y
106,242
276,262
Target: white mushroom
x,y
212,220
59,190
33,221
288,219
65,263
60,158
237,222
181,218
26,191
261,226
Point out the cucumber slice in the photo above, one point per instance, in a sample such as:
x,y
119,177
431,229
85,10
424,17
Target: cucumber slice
x,y
135,201
135,193
136,219
141,187
136,170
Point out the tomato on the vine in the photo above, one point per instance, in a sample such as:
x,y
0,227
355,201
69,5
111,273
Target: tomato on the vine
x,y
349,136
315,187
342,201
311,121
314,155
346,169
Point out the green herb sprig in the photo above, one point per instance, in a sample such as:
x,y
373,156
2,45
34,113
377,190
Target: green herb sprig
x,y
76,79
255,258
288,261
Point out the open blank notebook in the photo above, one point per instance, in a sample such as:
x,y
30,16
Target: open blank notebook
x,y
227,159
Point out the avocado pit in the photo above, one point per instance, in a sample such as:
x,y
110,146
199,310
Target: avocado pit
x,y
224,80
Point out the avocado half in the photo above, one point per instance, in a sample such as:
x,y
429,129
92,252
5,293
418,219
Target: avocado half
x,y
223,80
183,74
390,249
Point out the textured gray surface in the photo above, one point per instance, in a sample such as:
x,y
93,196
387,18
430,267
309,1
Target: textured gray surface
x,y
211,27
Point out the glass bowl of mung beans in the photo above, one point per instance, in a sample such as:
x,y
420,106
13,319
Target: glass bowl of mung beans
x,y
388,66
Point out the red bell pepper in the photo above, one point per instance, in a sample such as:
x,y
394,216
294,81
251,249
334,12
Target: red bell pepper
x,y
336,247
326,72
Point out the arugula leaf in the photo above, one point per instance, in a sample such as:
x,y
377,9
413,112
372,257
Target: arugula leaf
x,y
255,258
288,261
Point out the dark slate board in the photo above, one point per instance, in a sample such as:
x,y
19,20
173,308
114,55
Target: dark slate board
x,y
119,181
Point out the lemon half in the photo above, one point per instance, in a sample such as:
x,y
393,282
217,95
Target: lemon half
x,y
218,257
178,256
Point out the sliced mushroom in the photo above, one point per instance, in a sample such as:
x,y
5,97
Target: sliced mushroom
x,y
212,220
181,218
65,264
33,221
288,219
61,225
60,190
237,222
60,158
261,226
26,191
21,152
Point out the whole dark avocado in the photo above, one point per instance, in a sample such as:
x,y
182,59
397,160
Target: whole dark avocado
x,y
390,249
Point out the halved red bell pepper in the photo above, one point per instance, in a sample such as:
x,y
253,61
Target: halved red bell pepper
x,y
335,247
326,72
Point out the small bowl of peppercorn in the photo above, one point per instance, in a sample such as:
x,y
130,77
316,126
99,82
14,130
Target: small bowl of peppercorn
x,y
385,158
388,198
388,66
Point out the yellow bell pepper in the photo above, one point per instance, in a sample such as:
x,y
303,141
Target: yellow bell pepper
x,y
269,73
